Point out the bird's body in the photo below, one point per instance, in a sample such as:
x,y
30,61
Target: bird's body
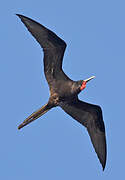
x,y
64,91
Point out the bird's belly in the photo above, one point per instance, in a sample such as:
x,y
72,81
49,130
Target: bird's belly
x,y
61,94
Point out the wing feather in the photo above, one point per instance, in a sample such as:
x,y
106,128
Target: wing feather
x,y
53,46
91,117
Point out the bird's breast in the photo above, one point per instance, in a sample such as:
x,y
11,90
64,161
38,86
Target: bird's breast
x,y
62,90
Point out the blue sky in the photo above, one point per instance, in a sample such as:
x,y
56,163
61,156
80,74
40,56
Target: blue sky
x,y
56,146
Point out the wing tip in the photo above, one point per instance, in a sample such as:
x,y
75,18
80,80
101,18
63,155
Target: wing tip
x,y
19,15
24,18
103,166
103,163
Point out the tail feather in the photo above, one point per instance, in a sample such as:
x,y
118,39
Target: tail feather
x,y
35,115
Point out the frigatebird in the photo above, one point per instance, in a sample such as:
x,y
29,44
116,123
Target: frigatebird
x,y
64,91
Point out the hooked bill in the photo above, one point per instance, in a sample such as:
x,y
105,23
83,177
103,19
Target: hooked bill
x,y
89,78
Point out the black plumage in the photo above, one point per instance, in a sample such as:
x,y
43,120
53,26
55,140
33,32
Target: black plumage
x,y
64,91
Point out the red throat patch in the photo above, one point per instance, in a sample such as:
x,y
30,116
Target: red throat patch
x,y
83,85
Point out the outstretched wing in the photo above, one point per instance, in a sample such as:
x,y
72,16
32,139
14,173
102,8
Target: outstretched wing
x,y
52,45
91,117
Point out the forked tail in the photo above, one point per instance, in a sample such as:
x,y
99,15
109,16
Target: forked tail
x,y
35,115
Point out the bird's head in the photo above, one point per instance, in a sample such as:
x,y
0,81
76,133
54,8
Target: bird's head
x,y
84,82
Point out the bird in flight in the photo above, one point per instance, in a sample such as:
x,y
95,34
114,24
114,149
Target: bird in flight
x,y
64,91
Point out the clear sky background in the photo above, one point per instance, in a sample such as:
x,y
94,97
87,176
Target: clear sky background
x,y
56,147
